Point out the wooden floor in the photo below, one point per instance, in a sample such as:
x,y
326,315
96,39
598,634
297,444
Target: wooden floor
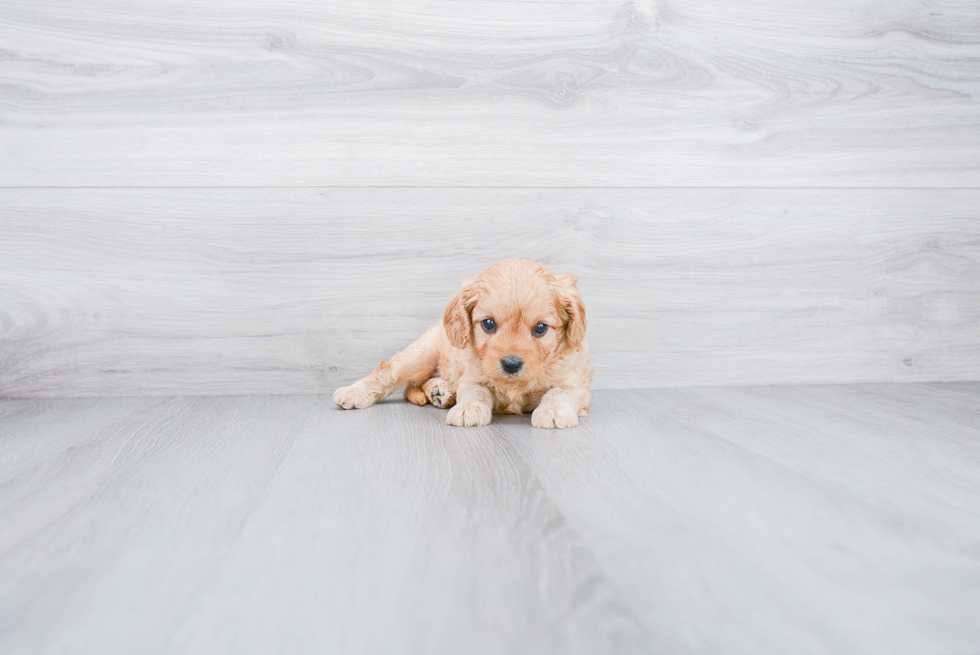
x,y
822,519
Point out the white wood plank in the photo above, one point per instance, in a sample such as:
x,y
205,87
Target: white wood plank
x,y
552,93
191,291
757,520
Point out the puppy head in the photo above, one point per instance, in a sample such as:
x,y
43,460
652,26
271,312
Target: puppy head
x,y
519,318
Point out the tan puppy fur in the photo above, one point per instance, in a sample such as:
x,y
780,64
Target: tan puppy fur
x,y
493,324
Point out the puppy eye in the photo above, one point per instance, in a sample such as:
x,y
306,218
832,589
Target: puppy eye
x,y
489,325
539,329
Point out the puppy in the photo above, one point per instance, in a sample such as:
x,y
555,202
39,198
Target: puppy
x,y
511,341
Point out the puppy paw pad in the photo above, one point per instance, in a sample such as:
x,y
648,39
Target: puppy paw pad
x,y
439,393
436,396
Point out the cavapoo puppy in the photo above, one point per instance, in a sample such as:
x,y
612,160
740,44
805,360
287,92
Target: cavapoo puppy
x,y
512,340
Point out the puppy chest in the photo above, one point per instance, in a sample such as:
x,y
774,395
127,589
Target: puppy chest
x,y
515,402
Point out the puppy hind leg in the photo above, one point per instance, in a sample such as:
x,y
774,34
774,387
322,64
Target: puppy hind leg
x,y
416,395
412,365
441,392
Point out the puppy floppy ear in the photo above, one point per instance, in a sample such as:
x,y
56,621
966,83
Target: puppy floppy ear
x,y
571,308
457,320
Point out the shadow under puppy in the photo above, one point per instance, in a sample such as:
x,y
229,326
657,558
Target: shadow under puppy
x,y
511,341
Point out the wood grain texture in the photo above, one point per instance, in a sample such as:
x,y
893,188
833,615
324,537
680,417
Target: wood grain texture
x,y
835,519
781,519
552,93
257,525
245,291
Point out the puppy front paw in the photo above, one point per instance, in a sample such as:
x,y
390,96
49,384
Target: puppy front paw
x,y
468,415
354,397
552,415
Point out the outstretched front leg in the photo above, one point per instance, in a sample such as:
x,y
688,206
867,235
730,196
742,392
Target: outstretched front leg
x,y
411,366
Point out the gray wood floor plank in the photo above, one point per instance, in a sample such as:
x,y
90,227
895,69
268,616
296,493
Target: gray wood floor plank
x,y
555,93
857,526
48,454
111,548
443,543
258,291
262,524
833,519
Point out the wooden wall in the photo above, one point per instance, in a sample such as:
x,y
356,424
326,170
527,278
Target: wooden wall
x,y
258,197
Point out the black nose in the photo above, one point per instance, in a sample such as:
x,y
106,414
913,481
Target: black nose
x,y
511,365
